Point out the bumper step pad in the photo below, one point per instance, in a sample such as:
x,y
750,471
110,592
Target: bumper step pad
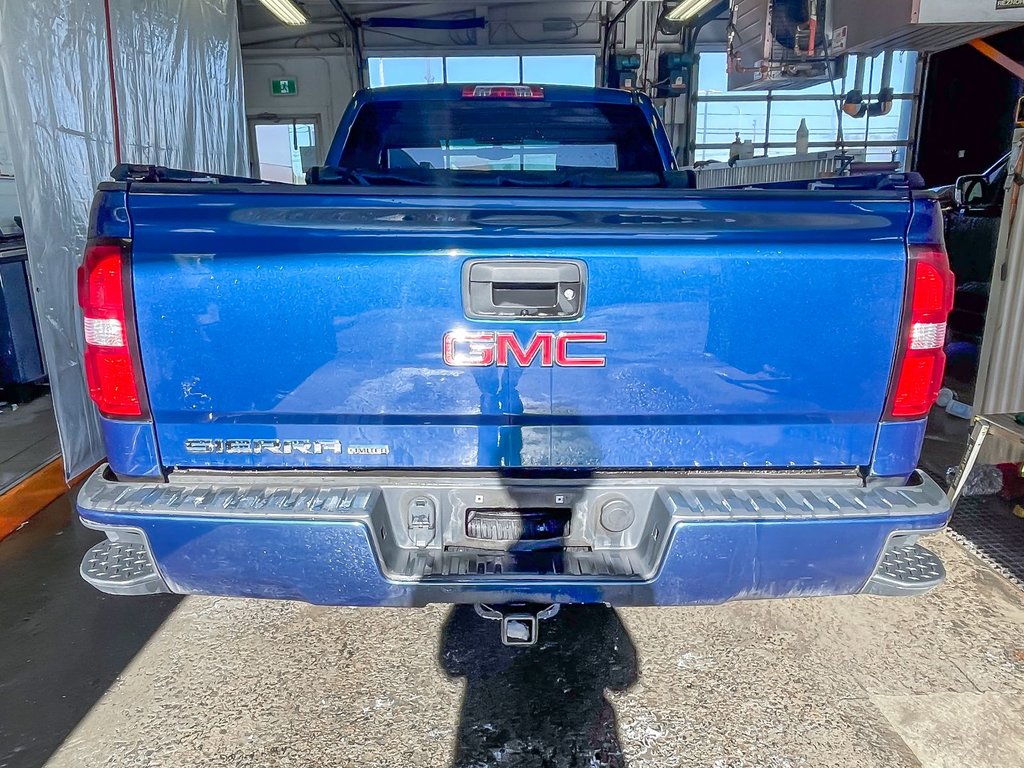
x,y
906,569
122,568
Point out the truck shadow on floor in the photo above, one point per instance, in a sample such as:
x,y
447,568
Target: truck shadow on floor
x,y
542,705
62,643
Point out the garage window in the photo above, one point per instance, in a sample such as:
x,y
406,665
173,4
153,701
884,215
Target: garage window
x,y
539,70
770,119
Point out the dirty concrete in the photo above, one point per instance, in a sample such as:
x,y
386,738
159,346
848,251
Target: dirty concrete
x,y
857,681
62,643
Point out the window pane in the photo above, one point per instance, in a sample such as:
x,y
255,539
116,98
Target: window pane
x,y
719,155
837,87
884,154
483,69
891,127
821,118
903,69
285,150
559,70
415,70
718,122
711,75
854,129
504,157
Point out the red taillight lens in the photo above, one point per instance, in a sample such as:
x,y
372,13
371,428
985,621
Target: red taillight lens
x,y
502,92
109,369
931,285
921,359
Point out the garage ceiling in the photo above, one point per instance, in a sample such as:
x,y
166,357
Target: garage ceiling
x,y
513,23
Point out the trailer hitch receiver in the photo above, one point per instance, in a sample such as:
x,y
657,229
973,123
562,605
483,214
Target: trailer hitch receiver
x,y
520,622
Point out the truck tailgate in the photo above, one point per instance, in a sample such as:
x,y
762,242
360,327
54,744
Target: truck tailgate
x,y
305,327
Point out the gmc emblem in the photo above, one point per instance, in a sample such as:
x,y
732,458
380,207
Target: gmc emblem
x,y
479,349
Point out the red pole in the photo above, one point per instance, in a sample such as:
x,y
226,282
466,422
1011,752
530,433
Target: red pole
x,y
113,82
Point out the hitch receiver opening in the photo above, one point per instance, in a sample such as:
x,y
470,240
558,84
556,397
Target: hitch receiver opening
x,y
520,622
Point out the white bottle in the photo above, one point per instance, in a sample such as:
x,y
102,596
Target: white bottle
x,y
735,148
803,138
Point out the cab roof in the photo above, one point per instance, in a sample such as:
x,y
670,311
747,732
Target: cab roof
x,y
450,92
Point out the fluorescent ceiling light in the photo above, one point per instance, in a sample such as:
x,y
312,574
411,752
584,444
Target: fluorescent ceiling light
x,y
286,11
687,9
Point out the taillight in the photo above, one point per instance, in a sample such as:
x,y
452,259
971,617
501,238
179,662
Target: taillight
x,y
109,368
502,92
922,361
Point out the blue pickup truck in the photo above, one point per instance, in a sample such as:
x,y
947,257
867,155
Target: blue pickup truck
x,y
499,351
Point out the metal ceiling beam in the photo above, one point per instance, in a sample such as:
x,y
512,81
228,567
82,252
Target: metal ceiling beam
x,y
383,7
278,32
357,44
1015,68
329,22
414,11
326,21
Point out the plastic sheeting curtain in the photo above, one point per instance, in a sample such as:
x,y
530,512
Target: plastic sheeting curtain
x,y
1000,387
177,73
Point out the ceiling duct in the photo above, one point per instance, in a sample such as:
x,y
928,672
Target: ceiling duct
x,y
776,44
872,26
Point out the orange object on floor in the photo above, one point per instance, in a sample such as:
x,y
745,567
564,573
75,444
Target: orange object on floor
x,y
31,495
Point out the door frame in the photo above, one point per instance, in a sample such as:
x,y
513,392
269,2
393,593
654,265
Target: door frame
x,y
270,118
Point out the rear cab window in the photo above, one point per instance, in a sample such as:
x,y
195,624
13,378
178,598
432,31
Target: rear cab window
x,y
501,135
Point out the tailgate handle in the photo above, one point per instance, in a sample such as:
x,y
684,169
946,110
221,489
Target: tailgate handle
x,y
524,289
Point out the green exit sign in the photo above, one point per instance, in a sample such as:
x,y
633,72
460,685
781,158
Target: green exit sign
x,y
283,87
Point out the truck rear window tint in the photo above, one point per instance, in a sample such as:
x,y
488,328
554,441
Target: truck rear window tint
x,y
500,136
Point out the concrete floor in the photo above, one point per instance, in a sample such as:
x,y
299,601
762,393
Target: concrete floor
x,y
62,643
28,439
858,681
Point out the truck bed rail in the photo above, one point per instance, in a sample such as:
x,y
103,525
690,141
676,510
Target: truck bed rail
x,y
157,173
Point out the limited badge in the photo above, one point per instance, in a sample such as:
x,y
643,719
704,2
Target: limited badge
x,y
369,450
